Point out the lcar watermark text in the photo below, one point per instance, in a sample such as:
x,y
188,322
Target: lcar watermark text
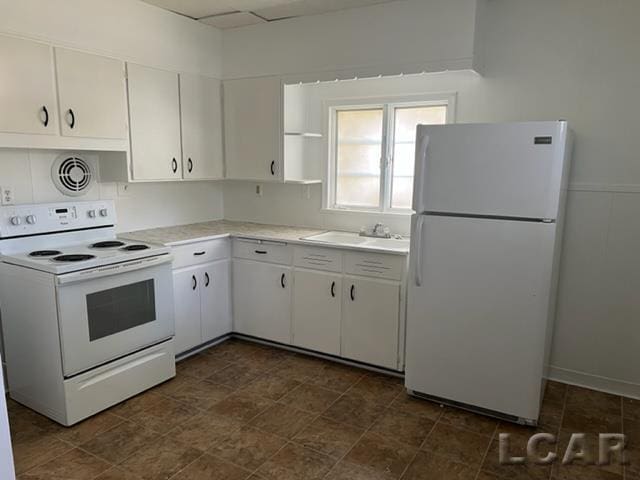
x,y
609,450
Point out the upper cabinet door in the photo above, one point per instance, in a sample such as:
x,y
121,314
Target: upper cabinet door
x,y
201,109
154,116
91,91
253,128
27,93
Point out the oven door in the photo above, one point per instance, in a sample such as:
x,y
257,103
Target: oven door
x,y
108,312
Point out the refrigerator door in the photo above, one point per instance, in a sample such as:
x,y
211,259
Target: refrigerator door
x,y
477,311
509,170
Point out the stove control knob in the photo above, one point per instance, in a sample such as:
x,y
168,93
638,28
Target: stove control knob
x,y
15,220
91,213
31,219
103,212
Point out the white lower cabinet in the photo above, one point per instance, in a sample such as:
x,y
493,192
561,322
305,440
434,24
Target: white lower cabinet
x,y
187,308
215,305
370,321
202,306
262,300
317,298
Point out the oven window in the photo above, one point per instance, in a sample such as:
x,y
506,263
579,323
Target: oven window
x,y
120,308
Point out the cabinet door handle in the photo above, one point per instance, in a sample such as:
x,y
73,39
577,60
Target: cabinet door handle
x,y
273,167
174,165
282,281
46,116
72,123
206,279
199,254
333,289
194,282
352,293
189,165
261,252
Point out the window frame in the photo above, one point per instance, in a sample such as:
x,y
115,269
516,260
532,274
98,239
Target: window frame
x,y
388,104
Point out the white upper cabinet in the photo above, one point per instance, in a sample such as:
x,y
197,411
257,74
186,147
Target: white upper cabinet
x,y
91,92
201,109
253,128
27,92
154,115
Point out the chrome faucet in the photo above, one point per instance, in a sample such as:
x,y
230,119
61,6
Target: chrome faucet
x,y
379,231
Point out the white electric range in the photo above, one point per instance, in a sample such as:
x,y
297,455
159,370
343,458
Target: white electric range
x,y
87,318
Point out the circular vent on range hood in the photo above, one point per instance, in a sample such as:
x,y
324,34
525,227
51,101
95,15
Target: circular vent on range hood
x,y
72,174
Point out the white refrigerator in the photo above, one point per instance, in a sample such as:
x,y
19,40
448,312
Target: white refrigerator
x,y
485,247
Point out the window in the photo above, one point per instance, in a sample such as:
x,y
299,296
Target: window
x,y
372,151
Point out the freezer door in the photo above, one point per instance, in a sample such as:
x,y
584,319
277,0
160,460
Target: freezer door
x,y
510,170
477,321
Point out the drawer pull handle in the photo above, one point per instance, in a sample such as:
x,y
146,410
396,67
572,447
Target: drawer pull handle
x,y
261,252
198,254
333,289
282,281
206,279
352,293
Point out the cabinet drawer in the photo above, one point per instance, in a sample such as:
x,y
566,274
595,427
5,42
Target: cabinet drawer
x,y
262,251
328,259
374,265
200,252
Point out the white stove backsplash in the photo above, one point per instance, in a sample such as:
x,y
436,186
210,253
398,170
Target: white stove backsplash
x,y
146,205
28,173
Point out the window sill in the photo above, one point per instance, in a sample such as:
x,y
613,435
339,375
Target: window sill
x,y
376,213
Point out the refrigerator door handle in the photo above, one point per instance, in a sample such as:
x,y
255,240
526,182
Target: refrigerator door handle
x,y
417,250
421,159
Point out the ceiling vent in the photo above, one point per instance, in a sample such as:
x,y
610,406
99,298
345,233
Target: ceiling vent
x,y
72,175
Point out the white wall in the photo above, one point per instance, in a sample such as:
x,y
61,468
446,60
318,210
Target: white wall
x,y
127,29
434,35
132,31
572,59
145,205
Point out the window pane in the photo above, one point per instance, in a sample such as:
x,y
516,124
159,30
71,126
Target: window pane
x,y
358,151
405,121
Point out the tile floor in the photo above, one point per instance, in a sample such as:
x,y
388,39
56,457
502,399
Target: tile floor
x,y
245,411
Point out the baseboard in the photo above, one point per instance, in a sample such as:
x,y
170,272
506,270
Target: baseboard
x,y
595,382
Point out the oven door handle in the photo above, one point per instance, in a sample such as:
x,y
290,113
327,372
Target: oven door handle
x,y
109,270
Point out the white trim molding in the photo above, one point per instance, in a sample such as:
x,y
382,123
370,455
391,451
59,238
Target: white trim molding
x,y
594,382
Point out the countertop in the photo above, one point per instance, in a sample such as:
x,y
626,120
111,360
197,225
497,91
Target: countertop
x,y
183,234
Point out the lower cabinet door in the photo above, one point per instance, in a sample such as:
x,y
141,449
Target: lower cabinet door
x,y
215,300
316,311
262,300
186,289
370,321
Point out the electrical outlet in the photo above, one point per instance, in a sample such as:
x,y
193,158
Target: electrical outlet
x,y
7,195
259,190
124,190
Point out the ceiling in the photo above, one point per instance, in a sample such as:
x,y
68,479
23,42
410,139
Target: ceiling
x,y
238,13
